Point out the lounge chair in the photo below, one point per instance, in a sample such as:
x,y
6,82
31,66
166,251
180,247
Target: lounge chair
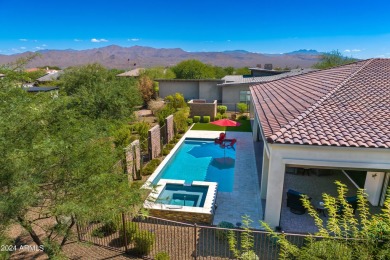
x,y
220,139
294,202
231,144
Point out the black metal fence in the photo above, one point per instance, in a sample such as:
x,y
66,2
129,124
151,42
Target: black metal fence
x,y
178,240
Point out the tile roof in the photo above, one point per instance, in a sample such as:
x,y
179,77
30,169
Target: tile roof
x,y
239,79
51,76
132,73
343,106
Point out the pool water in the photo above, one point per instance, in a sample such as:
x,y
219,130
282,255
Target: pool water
x,y
201,160
180,195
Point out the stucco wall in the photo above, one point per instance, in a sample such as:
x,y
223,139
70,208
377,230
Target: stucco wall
x,y
169,128
154,142
189,89
210,91
203,109
231,95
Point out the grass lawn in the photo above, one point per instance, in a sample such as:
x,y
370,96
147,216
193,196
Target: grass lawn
x,y
244,127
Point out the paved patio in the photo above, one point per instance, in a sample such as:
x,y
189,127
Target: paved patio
x,y
245,198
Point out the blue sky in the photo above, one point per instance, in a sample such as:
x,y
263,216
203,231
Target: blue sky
x,y
356,28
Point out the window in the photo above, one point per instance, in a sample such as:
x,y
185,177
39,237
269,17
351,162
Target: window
x,y
245,96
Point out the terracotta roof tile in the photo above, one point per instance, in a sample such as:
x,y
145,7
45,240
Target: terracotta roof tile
x,y
344,106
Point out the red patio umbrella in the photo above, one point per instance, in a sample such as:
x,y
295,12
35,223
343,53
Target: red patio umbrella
x,y
225,122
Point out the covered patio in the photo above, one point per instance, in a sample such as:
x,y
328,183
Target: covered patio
x,y
330,119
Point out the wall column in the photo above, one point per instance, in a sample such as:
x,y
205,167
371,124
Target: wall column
x,y
264,175
255,128
275,193
373,186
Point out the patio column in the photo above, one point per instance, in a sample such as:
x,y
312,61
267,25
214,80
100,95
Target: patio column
x,y
373,186
275,190
264,175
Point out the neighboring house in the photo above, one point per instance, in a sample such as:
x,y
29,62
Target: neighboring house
x,y
52,76
337,118
228,91
132,73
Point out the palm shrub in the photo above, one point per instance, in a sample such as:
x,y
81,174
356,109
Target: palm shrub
x,y
345,236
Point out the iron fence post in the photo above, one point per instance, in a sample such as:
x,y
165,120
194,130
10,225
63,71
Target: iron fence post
x,y
196,253
124,231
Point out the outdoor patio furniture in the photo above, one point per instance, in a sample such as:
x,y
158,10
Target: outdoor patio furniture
x,y
231,144
220,139
352,201
294,202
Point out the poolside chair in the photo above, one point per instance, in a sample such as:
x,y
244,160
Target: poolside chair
x,y
220,139
231,144
294,202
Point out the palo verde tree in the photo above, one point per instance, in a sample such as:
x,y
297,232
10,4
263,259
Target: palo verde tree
x,y
194,69
56,167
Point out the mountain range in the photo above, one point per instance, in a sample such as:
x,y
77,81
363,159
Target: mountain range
x,y
115,56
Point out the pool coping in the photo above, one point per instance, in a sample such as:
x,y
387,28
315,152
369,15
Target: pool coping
x,y
208,207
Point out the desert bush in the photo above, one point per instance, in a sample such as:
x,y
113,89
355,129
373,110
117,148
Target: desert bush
x,y
206,119
217,116
162,256
180,119
175,101
131,231
164,113
242,107
150,167
223,234
196,119
144,241
155,105
224,116
221,109
107,229
190,121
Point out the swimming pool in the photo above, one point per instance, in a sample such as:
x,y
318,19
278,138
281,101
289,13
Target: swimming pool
x,y
201,160
180,195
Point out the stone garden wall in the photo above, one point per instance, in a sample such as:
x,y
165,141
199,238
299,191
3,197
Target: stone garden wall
x,y
133,160
169,128
154,142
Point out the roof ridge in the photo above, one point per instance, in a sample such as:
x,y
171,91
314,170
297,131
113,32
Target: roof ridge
x,y
305,113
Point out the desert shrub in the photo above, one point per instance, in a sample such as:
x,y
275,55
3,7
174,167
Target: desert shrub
x,y
196,119
243,117
221,109
144,241
164,113
162,256
180,119
218,116
107,229
224,116
170,146
206,119
250,255
178,136
166,151
242,107
131,231
223,234
175,101
190,121
155,105
150,167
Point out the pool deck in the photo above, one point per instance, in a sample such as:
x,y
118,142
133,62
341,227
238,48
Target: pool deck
x,y
245,198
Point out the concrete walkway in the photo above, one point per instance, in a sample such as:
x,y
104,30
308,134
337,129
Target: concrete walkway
x,y
245,198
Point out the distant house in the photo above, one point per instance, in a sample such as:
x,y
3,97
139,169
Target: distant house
x,y
54,75
329,119
132,73
228,91
40,89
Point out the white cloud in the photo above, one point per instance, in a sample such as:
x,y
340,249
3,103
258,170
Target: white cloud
x,y
44,45
133,40
353,50
98,40
23,40
22,48
77,40
38,48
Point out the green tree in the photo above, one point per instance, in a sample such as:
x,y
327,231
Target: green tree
x,y
56,165
97,93
332,59
159,73
242,71
145,86
194,69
